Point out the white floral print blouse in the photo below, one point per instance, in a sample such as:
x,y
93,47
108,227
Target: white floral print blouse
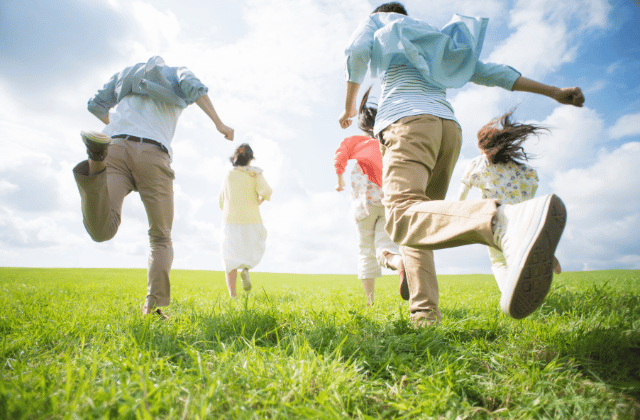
x,y
508,182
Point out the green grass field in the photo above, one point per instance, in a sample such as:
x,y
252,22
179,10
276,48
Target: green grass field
x,y
75,346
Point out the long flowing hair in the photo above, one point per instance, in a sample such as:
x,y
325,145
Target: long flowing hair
x,y
501,140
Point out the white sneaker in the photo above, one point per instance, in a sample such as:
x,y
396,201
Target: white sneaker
x,y
528,234
246,281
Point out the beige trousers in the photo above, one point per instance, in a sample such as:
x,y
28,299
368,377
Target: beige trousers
x,y
133,167
419,154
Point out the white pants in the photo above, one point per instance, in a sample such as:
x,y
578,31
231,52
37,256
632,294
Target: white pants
x,y
498,266
374,241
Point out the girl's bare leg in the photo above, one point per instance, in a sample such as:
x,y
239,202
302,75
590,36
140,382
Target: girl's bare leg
x,y
231,277
369,285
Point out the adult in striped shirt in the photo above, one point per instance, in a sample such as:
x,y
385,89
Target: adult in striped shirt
x,y
420,143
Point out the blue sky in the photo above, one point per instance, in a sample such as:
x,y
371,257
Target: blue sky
x,y
275,73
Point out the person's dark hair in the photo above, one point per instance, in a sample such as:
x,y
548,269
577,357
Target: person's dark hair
x,y
366,115
501,140
392,7
242,156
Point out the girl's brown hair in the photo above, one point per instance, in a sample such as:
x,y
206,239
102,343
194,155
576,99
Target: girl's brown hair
x,y
242,156
366,115
501,140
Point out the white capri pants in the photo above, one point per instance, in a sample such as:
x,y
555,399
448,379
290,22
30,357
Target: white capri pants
x,y
374,241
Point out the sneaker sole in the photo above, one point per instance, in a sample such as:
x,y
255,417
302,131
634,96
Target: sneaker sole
x,y
246,281
95,137
535,274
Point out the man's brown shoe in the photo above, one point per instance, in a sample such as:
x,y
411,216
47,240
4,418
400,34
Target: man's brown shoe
x,y
157,312
404,285
395,262
97,144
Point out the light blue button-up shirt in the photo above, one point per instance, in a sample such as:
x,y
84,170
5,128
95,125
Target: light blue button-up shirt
x,y
446,58
174,85
148,99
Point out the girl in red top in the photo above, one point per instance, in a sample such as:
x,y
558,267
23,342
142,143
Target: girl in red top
x,y
376,248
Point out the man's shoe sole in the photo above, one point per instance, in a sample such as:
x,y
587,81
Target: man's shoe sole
x,y
97,144
535,272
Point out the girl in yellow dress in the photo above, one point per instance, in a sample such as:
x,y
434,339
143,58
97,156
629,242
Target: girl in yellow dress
x,y
243,234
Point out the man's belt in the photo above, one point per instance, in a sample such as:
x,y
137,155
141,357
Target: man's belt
x,y
141,140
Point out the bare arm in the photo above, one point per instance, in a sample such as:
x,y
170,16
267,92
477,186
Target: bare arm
x,y
341,183
464,190
350,108
205,104
567,96
105,119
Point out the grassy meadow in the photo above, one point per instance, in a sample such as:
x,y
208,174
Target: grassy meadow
x,y
75,346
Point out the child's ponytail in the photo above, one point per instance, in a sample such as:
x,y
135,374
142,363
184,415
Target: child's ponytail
x,y
242,156
366,115
501,140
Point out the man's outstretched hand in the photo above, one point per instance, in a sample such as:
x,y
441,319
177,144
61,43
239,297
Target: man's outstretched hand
x,y
570,96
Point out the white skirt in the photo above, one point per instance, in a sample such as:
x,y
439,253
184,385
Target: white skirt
x,y
242,246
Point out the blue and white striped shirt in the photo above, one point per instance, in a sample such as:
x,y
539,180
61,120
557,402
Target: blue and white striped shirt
x,y
406,93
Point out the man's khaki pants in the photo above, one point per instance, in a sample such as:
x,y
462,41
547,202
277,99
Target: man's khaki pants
x,y
138,167
419,154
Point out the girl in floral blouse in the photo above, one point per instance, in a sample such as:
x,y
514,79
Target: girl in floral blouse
x,y
501,175
376,248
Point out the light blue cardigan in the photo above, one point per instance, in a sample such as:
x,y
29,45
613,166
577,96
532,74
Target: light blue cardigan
x,y
447,58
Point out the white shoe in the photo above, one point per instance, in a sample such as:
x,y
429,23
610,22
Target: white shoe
x,y
528,234
246,281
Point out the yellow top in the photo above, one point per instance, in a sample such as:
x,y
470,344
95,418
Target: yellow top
x,y
241,189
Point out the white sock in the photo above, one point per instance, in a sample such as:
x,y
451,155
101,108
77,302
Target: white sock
x,y
395,261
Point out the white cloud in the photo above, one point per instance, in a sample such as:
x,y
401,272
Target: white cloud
x,y
7,187
603,205
626,126
613,67
547,33
570,142
597,86
439,12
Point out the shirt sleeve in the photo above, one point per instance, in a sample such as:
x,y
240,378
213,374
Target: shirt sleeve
x,y
466,176
105,98
262,188
190,85
358,51
343,154
490,74
463,192
221,198
466,181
